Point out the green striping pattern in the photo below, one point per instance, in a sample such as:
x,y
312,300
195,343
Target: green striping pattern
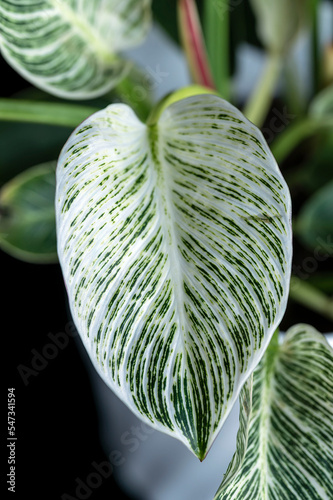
x,y
68,47
290,446
175,244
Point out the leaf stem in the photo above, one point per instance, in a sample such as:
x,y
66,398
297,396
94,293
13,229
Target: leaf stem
x,y
193,42
136,96
295,100
296,133
47,113
216,29
311,297
257,107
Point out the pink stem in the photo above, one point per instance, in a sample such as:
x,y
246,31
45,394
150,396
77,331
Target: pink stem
x,y
194,45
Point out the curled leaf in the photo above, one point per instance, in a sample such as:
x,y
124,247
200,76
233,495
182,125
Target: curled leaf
x,y
27,217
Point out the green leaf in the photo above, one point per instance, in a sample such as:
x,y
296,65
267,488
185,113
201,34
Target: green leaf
x,y
27,216
315,220
38,143
322,104
69,48
175,244
217,33
316,170
290,447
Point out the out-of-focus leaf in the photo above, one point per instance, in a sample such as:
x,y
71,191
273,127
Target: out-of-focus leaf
x,y
316,170
279,22
27,217
327,65
315,220
322,281
245,411
70,48
322,104
216,22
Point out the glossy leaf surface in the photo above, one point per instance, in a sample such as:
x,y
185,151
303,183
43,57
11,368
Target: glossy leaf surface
x,y
175,244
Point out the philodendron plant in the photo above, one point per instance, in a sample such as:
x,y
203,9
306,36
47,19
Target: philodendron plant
x,y
175,243
174,238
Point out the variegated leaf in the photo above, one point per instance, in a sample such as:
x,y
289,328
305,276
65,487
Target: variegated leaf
x,y
290,447
69,47
245,410
175,244
27,216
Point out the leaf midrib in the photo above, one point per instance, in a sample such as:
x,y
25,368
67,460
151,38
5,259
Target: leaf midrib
x,y
85,31
166,211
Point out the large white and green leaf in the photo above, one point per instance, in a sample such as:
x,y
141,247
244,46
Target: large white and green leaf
x,y
290,446
175,245
69,47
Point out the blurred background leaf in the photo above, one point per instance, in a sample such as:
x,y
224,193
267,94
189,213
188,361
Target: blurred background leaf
x,y
37,144
315,220
27,216
279,23
322,104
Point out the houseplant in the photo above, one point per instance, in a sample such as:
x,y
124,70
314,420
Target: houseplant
x,y
195,112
